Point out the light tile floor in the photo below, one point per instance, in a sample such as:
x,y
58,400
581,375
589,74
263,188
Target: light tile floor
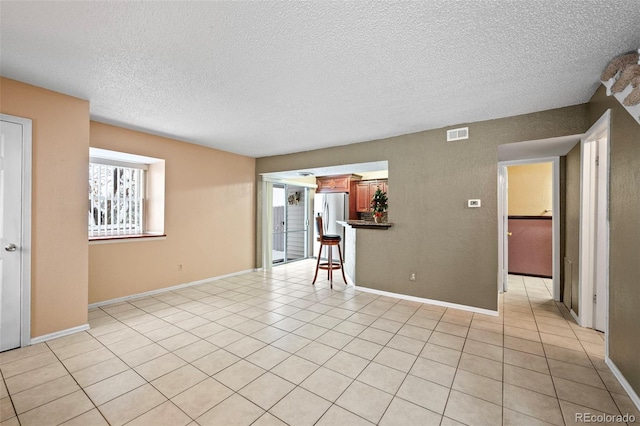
x,y
270,349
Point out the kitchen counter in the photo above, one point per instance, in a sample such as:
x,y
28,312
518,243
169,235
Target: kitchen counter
x,y
362,224
350,237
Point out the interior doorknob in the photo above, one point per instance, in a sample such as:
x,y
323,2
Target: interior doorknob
x,y
509,234
11,247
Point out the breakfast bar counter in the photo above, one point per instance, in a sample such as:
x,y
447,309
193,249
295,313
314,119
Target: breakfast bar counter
x,y
350,236
367,224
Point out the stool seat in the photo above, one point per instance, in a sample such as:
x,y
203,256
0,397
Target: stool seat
x,y
328,240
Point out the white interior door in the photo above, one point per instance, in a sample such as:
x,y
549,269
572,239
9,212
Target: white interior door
x,y
594,226
10,234
602,237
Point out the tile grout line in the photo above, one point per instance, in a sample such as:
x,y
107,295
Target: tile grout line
x,y
332,302
553,383
133,369
10,399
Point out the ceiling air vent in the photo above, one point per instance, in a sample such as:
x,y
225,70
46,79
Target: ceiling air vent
x,y
457,134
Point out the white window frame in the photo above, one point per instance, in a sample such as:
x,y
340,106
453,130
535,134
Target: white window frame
x,y
136,164
118,215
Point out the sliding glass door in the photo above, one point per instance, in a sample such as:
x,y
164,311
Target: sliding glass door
x,y
290,223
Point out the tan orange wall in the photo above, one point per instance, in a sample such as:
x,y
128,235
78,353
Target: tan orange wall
x,y
209,218
530,189
59,211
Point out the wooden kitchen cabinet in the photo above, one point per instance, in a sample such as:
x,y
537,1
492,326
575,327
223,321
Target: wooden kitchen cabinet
x,y
341,183
364,193
363,200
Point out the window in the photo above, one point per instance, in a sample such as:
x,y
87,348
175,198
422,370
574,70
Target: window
x,y
126,195
116,199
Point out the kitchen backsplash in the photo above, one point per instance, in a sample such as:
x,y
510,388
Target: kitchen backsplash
x,y
369,216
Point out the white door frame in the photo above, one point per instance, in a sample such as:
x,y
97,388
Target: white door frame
x,y
267,224
25,243
590,263
503,211
503,215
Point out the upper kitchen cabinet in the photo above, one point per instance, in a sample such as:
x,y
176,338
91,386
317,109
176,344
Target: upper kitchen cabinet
x,y
364,192
363,200
340,183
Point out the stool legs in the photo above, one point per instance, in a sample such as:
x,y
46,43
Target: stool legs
x,y
317,264
342,264
329,266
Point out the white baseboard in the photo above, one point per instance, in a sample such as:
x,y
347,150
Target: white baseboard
x,y
429,301
623,382
575,317
57,334
164,290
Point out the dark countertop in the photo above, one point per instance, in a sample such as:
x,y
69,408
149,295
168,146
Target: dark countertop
x,y
366,224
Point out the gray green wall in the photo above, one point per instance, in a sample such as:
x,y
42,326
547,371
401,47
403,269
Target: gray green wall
x,y
624,237
452,249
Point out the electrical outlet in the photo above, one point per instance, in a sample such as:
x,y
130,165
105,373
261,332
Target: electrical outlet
x,y
180,267
412,277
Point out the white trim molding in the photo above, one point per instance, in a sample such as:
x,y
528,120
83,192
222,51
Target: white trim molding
x,y
58,334
117,240
600,131
166,289
623,382
429,301
575,316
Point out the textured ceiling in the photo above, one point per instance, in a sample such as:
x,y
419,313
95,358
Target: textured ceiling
x,y
265,78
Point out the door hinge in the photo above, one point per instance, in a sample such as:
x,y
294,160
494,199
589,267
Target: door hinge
x,y
595,298
598,161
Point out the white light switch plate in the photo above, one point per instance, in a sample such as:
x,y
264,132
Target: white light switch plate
x,y
473,203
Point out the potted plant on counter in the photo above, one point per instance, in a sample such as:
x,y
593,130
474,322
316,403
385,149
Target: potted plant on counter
x,y
379,205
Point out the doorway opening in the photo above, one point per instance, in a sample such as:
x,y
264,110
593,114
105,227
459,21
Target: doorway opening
x,y
302,179
529,220
528,152
290,211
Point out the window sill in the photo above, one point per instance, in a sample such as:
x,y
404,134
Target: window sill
x,y
110,239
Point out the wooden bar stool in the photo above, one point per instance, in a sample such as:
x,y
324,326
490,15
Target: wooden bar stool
x,y
329,241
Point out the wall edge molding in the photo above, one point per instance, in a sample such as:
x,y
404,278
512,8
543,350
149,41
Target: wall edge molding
x,y
166,289
429,301
57,334
575,317
623,382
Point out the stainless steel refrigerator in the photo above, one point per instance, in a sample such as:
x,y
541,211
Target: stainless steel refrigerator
x,y
332,207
